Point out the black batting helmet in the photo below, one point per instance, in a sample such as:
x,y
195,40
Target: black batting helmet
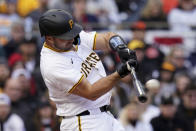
x,y
58,23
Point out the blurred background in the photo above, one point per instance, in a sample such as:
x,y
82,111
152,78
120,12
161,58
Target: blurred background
x,y
162,32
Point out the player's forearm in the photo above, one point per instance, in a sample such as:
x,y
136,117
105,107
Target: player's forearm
x,y
103,85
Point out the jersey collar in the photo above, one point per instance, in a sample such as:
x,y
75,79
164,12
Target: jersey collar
x,y
58,50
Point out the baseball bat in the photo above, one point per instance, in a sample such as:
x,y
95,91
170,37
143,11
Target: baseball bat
x,y
115,42
137,84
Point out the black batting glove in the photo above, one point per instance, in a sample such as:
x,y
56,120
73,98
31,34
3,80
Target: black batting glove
x,y
125,53
125,68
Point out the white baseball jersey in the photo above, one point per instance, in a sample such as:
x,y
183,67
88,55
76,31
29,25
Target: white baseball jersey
x,y
63,71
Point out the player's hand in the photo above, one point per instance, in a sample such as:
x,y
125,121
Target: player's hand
x,y
125,53
123,69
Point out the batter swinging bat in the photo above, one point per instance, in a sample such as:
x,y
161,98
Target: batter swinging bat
x,y
117,43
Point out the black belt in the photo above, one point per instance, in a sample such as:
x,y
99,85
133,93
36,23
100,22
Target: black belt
x,y
102,109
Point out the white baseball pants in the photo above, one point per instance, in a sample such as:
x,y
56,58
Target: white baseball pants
x,y
103,121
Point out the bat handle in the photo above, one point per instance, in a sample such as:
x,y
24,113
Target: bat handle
x,y
137,84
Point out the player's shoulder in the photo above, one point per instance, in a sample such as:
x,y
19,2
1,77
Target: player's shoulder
x,y
53,60
51,67
87,38
87,35
57,61
86,32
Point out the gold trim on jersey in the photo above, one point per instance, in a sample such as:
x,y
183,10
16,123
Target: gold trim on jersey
x,y
76,84
94,44
58,50
76,47
49,47
79,123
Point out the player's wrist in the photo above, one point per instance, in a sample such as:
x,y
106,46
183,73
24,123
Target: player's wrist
x,y
115,42
117,76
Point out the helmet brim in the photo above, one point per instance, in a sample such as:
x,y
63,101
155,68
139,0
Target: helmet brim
x,y
70,34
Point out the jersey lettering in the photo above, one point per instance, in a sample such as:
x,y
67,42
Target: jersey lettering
x,y
86,68
83,72
94,56
89,63
90,59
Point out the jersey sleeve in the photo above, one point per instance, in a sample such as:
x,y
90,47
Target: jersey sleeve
x,y
88,39
66,79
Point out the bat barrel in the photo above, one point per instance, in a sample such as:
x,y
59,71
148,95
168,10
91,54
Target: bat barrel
x,y
141,94
142,98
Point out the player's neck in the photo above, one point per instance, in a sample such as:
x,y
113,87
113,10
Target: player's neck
x,y
52,47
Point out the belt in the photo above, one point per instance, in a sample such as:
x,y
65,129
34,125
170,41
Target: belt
x,y
84,113
102,109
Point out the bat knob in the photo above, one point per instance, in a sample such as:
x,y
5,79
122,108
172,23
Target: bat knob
x,y
142,98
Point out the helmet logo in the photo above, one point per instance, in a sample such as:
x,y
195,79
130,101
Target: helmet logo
x,y
71,23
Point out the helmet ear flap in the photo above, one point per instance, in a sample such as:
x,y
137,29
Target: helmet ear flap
x,y
76,40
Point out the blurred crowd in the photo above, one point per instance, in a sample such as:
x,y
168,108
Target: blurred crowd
x,y
171,105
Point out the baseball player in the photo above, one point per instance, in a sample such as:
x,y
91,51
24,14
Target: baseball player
x,y
74,74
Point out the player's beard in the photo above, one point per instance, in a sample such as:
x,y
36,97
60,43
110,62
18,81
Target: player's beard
x,y
65,48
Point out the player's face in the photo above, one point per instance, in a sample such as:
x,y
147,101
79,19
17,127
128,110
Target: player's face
x,y
63,44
